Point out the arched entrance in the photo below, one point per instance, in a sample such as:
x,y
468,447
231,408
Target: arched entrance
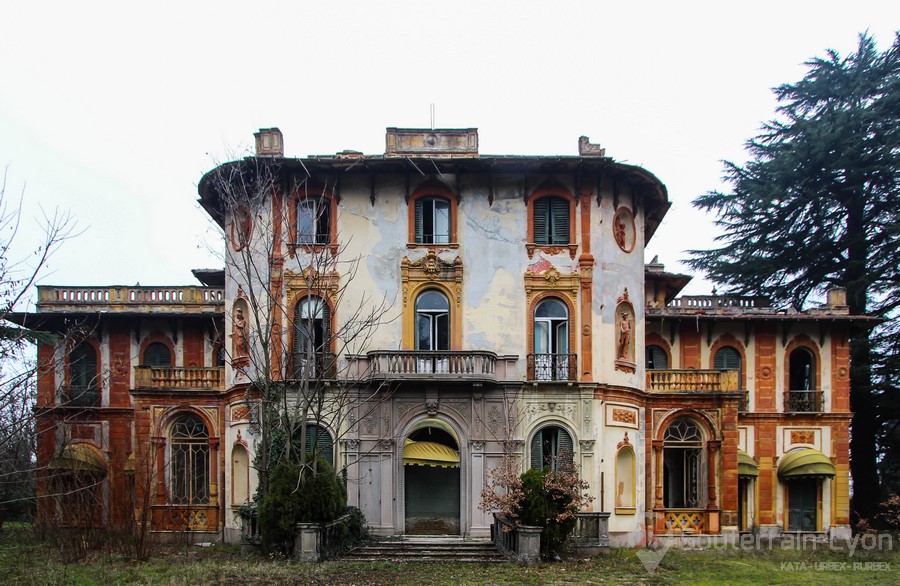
x,y
431,472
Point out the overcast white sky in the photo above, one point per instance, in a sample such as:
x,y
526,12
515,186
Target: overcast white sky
x,y
114,110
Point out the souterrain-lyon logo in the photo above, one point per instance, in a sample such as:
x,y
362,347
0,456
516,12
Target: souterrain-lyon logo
x,y
650,550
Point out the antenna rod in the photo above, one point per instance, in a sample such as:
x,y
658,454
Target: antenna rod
x,y
432,116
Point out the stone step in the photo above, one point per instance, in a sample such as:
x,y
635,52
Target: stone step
x,y
427,549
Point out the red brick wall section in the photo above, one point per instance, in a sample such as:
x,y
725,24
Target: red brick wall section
x,y
728,476
840,373
690,346
765,368
46,384
767,482
119,367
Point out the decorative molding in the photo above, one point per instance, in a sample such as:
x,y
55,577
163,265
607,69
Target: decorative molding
x,y
535,410
550,280
240,412
531,247
624,232
311,282
369,424
586,445
625,442
350,444
386,444
431,268
621,416
477,445
431,406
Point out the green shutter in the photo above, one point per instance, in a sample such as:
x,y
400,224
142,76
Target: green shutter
x,y
727,358
324,447
418,228
564,444
542,221
537,457
559,212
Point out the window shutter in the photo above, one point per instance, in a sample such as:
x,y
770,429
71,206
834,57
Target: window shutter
x,y
537,457
326,328
727,359
323,225
418,220
564,444
559,212
657,358
541,221
324,447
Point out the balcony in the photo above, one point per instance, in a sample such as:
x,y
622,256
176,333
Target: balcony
x,y
688,380
180,378
450,365
804,401
189,299
552,367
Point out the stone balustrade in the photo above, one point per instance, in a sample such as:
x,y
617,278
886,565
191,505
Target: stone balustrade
x,y
688,380
187,378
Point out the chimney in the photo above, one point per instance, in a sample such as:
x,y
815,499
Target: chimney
x,y
837,298
269,142
586,148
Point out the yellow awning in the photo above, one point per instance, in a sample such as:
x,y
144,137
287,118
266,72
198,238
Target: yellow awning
x,y
79,458
747,466
805,462
430,454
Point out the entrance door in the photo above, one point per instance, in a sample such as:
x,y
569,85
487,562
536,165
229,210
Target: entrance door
x,y
803,507
432,483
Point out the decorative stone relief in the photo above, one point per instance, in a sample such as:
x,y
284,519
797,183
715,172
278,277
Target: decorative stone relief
x,y
350,444
586,445
431,405
534,410
621,416
369,424
240,412
624,442
623,229
477,445
431,268
625,358
494,419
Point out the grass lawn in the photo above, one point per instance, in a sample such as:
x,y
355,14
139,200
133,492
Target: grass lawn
x,y
24,561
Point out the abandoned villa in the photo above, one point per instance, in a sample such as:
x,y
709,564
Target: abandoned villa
x,y
448,308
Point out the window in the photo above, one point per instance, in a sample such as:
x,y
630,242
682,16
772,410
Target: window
x,y
682,465
657,359
319,443
432,321
83,381
313,221
312,337
551,341
551,221
432,221
551,446
728,358
189,461
802,394
157,354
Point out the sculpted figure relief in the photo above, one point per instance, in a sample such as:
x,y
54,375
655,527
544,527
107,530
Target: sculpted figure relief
x,y
624,337
239,334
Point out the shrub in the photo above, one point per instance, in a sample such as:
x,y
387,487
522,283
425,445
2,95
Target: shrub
x,y
316,496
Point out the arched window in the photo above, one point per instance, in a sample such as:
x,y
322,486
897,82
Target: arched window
x,y
551,341
551,446
432,321
84,384
728,358
313,221
683,465
802,394
189,461
312,337
319,443
432,220
157,354
657,359
551,221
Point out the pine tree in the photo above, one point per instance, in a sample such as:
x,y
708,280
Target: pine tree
x,y
817,206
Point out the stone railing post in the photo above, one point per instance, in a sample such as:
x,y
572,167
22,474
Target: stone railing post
x,y
306,543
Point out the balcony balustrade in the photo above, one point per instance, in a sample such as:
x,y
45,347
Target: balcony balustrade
x,y
187,378
433,365
687,380
804,401
552,367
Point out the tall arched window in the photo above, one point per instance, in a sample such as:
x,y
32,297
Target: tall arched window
x,y
683,465
312,338
432,220
189,461
319,443
551,446
728,358
84,384
802,394
551,341
432,321
551,221
657,359
157,354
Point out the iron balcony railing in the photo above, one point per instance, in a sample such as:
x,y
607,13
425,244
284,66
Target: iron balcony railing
x,y
686,380
179,377
552,367
804,401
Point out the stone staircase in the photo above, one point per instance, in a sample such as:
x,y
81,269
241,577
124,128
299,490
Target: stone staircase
x,y
427,549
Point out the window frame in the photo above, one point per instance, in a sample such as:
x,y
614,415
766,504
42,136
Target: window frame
x,y
553,460
433,316
328,343
409,314
434,190
559,193
90,395
182,484
317,194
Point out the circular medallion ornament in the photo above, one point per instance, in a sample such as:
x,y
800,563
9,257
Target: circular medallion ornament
x,y
842,372
765,372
